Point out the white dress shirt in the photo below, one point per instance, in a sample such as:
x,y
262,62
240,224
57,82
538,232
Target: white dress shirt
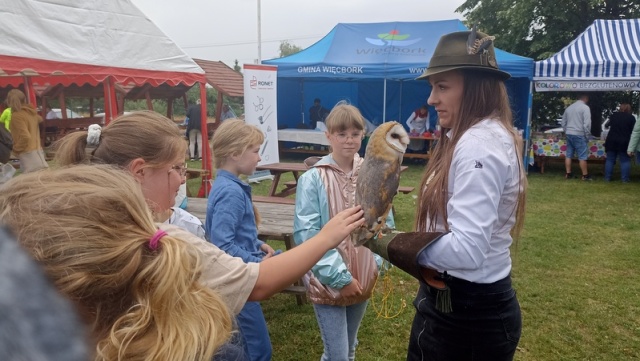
x,y
484,180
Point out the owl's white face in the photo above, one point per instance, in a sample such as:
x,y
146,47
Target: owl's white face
x,y
397,138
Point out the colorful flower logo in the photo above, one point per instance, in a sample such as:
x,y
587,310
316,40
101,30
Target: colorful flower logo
x,y
393,38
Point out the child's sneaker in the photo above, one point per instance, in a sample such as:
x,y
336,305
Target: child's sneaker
x,y
587,178
568,176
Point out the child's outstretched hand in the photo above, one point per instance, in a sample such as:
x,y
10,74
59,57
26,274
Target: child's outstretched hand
x,y
342,224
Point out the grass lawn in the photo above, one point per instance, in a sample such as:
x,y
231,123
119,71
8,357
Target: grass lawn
x,y
576,270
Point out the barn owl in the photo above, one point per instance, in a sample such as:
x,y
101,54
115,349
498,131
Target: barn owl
x,y
379,178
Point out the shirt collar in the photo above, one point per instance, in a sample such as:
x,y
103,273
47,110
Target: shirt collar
x,y
232,177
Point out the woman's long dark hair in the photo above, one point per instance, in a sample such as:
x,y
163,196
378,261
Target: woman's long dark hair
x,y
484,96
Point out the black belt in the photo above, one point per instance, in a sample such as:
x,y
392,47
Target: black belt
x,y
463,291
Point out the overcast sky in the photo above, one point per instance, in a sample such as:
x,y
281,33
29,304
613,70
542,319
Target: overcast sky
x,y
228,29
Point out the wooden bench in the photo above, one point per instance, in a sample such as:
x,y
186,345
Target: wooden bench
x,y
55,129
401,189
542,161
273,199
417,155
405,189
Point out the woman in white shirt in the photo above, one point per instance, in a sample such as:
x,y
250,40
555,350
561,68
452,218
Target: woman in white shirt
x,y
478,161
472,202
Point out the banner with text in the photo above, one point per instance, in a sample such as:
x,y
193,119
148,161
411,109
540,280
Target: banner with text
x,y
260,107
586,85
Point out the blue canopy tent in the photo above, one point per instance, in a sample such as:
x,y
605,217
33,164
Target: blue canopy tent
x,y
605,57
374,66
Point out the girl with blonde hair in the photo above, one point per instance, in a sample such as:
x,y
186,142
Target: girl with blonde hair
x,y
136,286
152,149
25,130
231,219
342,281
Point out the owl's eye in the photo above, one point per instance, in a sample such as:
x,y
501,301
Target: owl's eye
x,y
395,135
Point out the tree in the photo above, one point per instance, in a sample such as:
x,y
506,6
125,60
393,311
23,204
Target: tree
x,y
286,48
539,29
237,66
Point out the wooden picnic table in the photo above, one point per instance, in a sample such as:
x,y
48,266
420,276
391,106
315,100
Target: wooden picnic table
x,y
276,224
277,169
427,153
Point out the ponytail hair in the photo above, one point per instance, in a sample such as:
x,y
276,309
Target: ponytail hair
x,y
141,134
89,227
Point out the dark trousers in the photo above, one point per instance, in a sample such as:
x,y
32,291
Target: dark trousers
x,y
485,323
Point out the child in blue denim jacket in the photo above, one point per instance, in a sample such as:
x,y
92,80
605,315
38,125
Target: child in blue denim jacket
x,y
231,224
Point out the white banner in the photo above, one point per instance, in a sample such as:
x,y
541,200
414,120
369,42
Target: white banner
x,y
260,107
586,85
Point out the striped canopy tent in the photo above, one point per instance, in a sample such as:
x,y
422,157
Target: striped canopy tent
x,y
605,57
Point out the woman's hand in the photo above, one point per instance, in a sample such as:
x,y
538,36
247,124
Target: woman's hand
x,y
341,225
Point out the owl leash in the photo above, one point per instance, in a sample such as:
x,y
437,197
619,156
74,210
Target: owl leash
x,y
402,250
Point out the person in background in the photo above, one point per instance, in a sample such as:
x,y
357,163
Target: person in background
x,y
576,124
317,113
137,287
5,117
470,208
25,129
227,113
341,283
51,114
50,129
194,131
621,124
634,142
231,219
417,121
418,124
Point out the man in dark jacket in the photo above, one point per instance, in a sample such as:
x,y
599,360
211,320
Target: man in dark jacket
x,y
194,132
317,113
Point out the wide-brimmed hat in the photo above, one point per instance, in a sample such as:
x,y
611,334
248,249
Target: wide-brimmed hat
x,y
465,50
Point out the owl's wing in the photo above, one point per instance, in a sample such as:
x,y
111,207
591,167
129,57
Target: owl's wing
x,y
378,183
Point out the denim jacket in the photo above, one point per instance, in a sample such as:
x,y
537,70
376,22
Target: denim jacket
x,y
230,222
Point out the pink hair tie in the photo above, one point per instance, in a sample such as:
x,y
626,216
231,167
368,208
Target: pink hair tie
x,y
153,242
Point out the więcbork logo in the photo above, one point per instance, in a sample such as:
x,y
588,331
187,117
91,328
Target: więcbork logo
x,y
393,38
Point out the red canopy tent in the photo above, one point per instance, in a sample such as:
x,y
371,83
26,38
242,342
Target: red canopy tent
x,y
99,43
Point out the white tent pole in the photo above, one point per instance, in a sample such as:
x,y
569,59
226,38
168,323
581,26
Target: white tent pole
x,y
400,102
259,36
384,101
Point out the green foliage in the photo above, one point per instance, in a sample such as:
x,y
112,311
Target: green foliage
x,y
237,66
539,29
287,48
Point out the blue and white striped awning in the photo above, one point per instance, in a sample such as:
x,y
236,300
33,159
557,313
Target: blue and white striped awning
x,y
605,54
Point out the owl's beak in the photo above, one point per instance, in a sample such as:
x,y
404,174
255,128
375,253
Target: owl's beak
x,y
397,148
